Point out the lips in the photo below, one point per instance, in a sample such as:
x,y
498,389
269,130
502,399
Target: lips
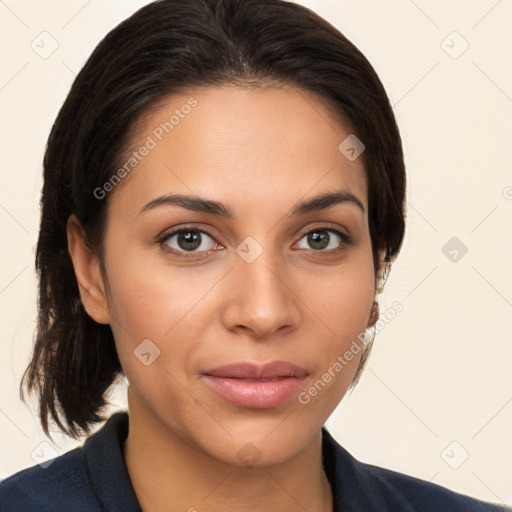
x,y
256,386
275,369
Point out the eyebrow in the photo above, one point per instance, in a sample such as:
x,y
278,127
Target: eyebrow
x,y
199,204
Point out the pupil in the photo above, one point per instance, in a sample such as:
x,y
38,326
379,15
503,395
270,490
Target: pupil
x,y
189,240
321,240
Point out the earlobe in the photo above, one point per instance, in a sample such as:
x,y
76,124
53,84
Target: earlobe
x,y
88,273
374,314
385,269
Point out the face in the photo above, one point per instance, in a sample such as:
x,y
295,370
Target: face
x,y
239,322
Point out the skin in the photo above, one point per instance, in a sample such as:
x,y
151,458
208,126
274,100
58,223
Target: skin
x,y
259,152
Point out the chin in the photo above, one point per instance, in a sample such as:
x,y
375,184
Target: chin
x,y
258,442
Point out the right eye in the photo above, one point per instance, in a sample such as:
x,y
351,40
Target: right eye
x,y
188,240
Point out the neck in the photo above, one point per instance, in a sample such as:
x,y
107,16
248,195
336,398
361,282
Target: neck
x,y
169,474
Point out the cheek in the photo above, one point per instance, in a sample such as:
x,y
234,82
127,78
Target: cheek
x,y
343,299
161,303
150,300
341,305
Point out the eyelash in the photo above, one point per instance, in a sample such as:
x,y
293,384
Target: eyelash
x,y
346,239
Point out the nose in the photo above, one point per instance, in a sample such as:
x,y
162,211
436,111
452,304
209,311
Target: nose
x,y
261,299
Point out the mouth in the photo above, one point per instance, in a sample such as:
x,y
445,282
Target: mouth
x,y
256,386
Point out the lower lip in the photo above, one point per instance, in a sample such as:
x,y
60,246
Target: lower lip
x,y
255,394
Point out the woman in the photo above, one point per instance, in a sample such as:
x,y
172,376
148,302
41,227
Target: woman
x,y
223,198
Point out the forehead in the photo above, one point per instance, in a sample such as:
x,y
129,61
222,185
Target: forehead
x,y
240,145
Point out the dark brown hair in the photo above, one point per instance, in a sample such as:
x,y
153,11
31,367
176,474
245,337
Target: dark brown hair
x,y
164,48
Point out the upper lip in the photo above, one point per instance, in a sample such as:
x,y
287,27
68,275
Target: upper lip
x,y
246,370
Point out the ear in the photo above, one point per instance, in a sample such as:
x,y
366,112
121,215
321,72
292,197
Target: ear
x,y
380,281
384,269
374,315
86,264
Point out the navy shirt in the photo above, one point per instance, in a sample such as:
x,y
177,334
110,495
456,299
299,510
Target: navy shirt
x,y
94,478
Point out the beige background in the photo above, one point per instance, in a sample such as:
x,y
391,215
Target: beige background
x,y
438,386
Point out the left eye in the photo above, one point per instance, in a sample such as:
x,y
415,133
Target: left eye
x,y
189,240
321,239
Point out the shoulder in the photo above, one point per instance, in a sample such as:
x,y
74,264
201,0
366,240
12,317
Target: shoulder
x,y
361,486
414,494
64,482
90,478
